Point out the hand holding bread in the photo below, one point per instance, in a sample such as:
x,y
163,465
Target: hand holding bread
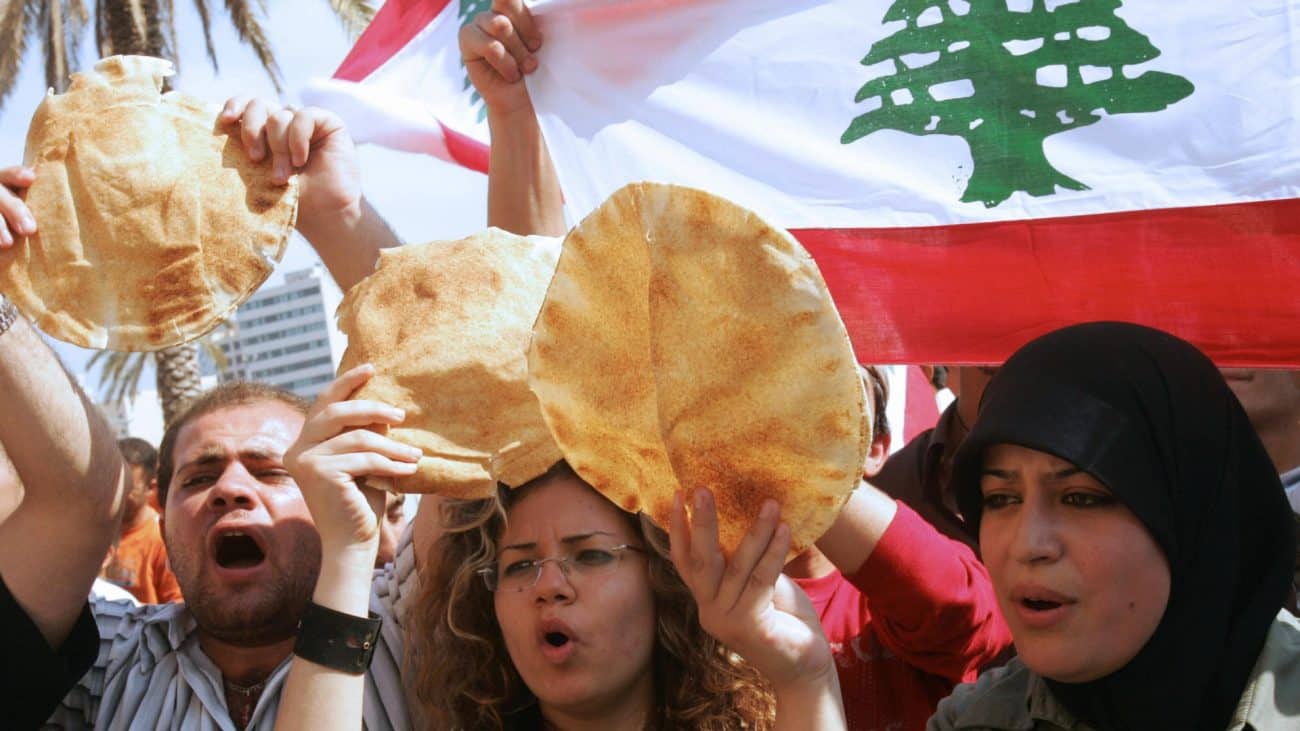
x,y
338,448
310,143
15,219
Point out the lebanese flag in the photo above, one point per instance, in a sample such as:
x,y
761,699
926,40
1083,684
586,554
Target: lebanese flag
x,y
968,175
403,85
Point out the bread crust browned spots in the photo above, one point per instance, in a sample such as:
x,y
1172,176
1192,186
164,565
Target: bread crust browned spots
x,y
446,325
686,343
154,224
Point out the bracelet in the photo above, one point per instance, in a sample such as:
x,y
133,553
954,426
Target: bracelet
x,y
335,640
8,314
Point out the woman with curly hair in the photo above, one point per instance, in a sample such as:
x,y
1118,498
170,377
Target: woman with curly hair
x,y
551,608
501,640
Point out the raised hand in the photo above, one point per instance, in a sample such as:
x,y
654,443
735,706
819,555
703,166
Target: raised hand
x,y
334,451
15,218
497,48
745,601
311,142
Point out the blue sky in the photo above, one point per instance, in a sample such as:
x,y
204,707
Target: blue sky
x,y
423,198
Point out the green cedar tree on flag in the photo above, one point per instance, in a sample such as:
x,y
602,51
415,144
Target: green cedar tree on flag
x,y
966,69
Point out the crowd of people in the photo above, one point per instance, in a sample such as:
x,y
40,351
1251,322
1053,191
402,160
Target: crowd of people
x,y
1097,534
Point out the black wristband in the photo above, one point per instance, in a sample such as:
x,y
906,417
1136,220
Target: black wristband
x,y
336,640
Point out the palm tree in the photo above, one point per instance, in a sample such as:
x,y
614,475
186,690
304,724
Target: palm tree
x,y
143,27
120,372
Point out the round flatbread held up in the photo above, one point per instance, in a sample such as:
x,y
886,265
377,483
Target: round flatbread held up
x,y
446,325
154,225
684,343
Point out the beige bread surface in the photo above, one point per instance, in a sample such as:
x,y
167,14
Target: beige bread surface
x,y
684,343
154,225
446,325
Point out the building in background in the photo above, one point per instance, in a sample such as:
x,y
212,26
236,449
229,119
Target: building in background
x,y
285,335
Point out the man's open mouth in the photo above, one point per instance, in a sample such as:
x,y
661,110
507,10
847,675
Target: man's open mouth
x,y
237,550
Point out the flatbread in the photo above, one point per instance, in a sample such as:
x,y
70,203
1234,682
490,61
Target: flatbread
x,y
684,343
154,225
446,325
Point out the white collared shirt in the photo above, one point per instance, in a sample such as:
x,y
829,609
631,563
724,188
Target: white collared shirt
x,y
152,674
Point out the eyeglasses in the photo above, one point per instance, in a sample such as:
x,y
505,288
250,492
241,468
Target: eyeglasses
x,y
587,563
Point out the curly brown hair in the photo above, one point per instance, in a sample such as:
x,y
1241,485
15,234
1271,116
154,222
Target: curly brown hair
x,y
463,677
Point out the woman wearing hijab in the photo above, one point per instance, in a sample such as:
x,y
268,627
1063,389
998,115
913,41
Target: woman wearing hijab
x,y
1138,539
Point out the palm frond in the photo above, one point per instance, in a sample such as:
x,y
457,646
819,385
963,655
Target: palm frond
x,y
206,18
97,357
165,23
213,350
130,383
110,370
131,26
251,32
75,29
102,43
119,374
13,42
55,46
159,31
128,27
114,28
354,14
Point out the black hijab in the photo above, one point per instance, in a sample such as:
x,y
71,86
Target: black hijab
x,y
1151,418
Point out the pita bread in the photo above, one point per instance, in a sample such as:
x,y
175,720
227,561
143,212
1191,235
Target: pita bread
x,y
686,343
446,325
154,224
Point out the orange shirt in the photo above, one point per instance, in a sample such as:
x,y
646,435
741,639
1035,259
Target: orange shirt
x,y
138,563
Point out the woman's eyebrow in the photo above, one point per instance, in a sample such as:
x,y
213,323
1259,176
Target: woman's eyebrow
x,y
1004,474
575,538
1070,471
579,537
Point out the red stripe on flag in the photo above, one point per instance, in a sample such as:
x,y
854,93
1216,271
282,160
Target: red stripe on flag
x,y
396,23
465,150
1224,277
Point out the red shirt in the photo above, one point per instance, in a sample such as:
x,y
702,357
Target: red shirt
x,y
917,618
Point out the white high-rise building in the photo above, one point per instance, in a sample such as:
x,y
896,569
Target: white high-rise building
x,y
285,335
